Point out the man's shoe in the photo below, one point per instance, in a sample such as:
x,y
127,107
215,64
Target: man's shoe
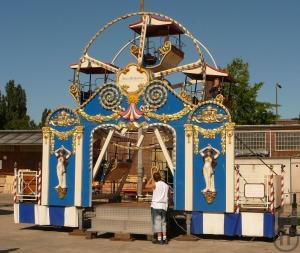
x,y
165,241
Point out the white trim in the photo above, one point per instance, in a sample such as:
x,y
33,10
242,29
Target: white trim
x,y
45,168
71,217
229,170
103,150
16,213
78,170
164,150
188,171
252,224
41,214
213,223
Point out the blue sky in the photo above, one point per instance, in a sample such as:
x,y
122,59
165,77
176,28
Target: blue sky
x,y
39,39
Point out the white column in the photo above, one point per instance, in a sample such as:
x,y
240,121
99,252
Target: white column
x,y
230,167
188,167
45,165
78,165
164,150
103,150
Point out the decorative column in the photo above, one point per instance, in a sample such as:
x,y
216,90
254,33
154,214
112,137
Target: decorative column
x,y
39,184
229,129
45,165
188,167
78,149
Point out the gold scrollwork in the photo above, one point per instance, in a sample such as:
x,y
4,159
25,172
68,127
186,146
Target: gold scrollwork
x,y
134,50
98,118
219,98
132,125
211,134
166,48
230,131
64,118
76,133
168,117
188,131
209,115
74,91
46,134
185,96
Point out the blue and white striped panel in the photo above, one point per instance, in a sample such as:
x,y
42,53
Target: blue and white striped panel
x,y
45,215
232,224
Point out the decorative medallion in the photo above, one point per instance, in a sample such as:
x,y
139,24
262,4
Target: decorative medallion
x,y
155,95
64,118
210,115
132,79
110,96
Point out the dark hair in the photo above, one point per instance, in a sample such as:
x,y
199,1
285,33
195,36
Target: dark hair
x,y
156,176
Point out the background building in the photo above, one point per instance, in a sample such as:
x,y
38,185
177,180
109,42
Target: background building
x,y
255,145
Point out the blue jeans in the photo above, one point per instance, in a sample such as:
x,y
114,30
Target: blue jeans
x,y
159,224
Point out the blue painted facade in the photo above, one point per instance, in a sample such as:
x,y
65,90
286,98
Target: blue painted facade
x,y
173,105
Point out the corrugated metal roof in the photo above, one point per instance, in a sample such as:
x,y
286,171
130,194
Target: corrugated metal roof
x,y
20,137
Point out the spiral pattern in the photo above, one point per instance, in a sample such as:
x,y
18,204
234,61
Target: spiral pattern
x,y
110,96
155,95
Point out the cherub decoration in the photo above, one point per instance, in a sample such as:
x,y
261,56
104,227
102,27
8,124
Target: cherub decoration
x,y
62,155
210,155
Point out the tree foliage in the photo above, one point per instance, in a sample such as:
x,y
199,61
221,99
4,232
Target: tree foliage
x,y
13,108
44,117
245,109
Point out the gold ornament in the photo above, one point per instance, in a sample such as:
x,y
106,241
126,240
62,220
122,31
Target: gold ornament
x,y
210,134
98,118
64,118
230,131
168,117
210,115
219,98
209,196
133,125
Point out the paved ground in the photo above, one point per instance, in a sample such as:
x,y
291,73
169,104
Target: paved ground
x,y
26,238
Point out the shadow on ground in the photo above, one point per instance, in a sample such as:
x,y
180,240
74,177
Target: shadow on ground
x,y
6,212
49,228
8,250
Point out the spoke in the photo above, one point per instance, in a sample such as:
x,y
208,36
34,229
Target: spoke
x,y
181,68
145,23
101,64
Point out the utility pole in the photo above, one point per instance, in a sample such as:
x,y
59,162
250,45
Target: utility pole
x,y
277,85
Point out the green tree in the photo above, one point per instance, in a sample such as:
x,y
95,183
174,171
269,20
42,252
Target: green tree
x,y
44,117
2,111
13,108
244,107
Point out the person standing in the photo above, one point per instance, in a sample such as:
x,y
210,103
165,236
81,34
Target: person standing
x,y
159,206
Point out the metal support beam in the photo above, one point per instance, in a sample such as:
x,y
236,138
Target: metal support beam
x,y
164,150
102,153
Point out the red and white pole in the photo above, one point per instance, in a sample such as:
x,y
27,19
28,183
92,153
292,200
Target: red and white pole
x,y
282,185
39,184
272,209
15,190
237,189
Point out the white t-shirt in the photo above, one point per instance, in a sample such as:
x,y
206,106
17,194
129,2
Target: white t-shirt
x,y
160,196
